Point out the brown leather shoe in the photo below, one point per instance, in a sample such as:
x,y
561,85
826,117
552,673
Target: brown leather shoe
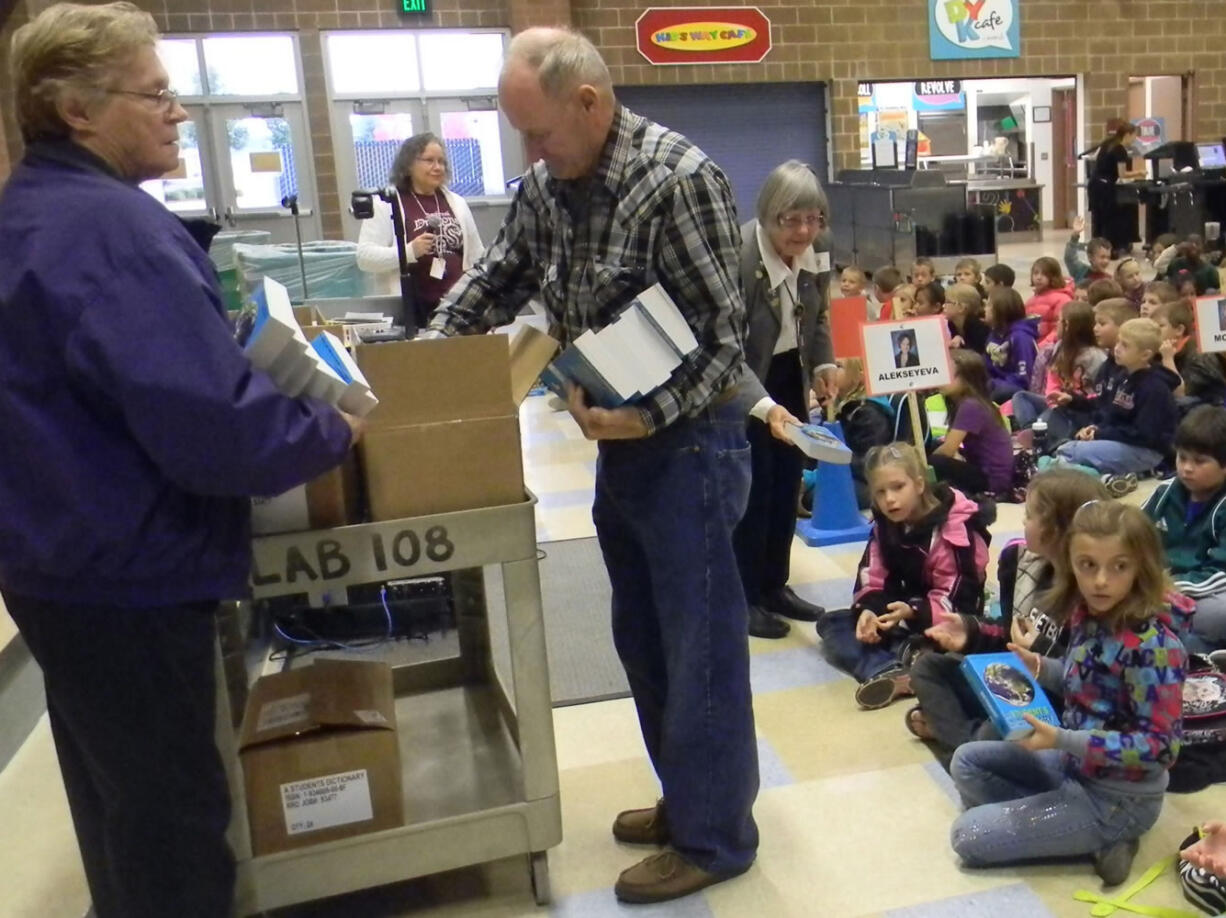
x,y
642,827
661,877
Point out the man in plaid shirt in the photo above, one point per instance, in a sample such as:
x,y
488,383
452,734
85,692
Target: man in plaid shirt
x,y
613,205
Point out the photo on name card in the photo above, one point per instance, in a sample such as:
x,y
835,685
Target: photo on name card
x,y
904,356
1211,324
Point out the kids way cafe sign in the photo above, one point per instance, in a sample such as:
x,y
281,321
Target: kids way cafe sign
x,y
972,29
703,35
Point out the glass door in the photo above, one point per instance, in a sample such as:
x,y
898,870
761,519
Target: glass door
x,y
262,159
368,135
191,190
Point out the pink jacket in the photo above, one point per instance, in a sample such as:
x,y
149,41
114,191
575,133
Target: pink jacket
x,y
937,566
1046,307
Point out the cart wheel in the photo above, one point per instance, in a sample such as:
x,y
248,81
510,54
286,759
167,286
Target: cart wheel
x,y
538,864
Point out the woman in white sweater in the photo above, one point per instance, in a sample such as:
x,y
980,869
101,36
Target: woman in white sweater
x,y
441,238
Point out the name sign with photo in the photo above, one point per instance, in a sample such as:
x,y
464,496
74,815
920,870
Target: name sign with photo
x,y
1211,323
906,356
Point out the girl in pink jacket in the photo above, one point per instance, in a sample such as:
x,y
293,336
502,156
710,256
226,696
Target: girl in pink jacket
x,y
1051,292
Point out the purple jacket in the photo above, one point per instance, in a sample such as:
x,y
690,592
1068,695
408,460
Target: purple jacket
x,y
135,430
1011,356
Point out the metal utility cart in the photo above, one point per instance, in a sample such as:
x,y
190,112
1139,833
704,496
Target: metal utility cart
x,y
480,768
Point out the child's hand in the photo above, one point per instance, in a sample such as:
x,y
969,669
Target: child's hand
x,y
1087,433
1029,658
1079,225
866,628
949,634
956,341
1209,853
1023,632
895,612
1044,736
1058,398
1167,350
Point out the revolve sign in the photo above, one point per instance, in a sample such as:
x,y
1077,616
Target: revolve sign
x,y
705,35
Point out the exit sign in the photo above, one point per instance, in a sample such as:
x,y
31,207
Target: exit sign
x,y
414,6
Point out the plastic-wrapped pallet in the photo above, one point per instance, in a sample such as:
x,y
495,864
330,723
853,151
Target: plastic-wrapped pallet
x,y
222,253
331,268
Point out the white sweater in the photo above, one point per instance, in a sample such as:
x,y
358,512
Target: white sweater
x,y
377,241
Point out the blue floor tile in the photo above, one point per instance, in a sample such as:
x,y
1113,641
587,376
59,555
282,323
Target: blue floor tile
x,y
771,770
789,669
1015,901
603,904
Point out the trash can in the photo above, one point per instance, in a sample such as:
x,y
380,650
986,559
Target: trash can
x,y
331,268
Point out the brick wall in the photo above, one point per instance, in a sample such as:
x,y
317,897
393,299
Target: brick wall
x,y
846,41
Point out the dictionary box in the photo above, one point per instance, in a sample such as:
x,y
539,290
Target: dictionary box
x,y
321,755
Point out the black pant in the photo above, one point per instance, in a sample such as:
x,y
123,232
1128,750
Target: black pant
x,y
965,476
130,696
954,714
763,540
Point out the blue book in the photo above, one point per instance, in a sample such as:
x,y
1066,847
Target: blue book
x,y
573,365
1007,691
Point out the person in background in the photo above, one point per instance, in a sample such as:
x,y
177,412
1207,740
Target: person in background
x,y
997,275
967,271
1189,257
964,310
886,280
1190,513
441,237
1202,378
613,205
788,347
1156,293
1112,163
1105,289
1094,784
852,282
1051,292
930,300
1128,276
137,433
976,456
1130,433
903,305
1090,261
1162,252
1071,369
1012,347
926,558
923,272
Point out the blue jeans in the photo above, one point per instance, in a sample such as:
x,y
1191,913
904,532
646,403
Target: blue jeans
x,y
1110,456
1028,407
1022,806
1208,625
665,510
842,648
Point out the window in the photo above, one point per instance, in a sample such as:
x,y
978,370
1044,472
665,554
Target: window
x,y
390,64
373,63
474,152
182,64
456,61
376,140
250,65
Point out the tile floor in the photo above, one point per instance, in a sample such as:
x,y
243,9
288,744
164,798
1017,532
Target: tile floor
x,y
854,813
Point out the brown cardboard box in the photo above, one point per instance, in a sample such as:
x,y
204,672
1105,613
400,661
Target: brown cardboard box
x,y
320,755
445,435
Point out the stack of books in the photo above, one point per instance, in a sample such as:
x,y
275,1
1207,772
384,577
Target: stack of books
x,y
320,368
630,357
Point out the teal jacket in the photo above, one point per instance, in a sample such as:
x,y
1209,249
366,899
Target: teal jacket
x,y
1196,551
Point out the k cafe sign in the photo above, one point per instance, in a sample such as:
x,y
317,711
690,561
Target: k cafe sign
x,y
973,29
703,35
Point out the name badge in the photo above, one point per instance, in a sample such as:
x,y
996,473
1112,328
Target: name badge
x,y
823,261
438,267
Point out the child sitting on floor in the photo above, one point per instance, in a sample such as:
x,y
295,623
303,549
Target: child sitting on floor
x,y
1088,262
1070,371
964,310
967,271
976,455
1051,292
1131,432
929,299
886,281
925,559
1012,346
1202,379
949,714
1190,512
998,275
1156,293
923,271
1128,276
1093,785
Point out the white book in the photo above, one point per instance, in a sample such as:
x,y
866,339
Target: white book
x,y
274,325
606,362
356,397
635,340
661,310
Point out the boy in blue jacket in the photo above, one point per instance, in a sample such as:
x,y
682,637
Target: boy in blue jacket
x,y
1190,513
1131,431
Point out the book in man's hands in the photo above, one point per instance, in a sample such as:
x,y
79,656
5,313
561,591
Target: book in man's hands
x,y
817,442
1007,691
630,357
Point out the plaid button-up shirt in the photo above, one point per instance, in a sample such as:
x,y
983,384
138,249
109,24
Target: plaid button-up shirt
x,y
657,209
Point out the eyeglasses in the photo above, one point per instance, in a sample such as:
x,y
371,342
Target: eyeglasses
x,y
810,221
164,99
432,161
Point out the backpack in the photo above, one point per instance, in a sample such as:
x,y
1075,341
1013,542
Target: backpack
x,y
866,424
1025,467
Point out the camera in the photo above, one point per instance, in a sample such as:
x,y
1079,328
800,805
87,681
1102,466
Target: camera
x,y
362,204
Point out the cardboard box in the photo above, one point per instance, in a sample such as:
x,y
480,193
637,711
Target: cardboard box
x,y
320,755
333,499
445,435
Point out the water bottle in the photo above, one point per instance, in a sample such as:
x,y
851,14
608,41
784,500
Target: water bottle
x,y
1039,430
